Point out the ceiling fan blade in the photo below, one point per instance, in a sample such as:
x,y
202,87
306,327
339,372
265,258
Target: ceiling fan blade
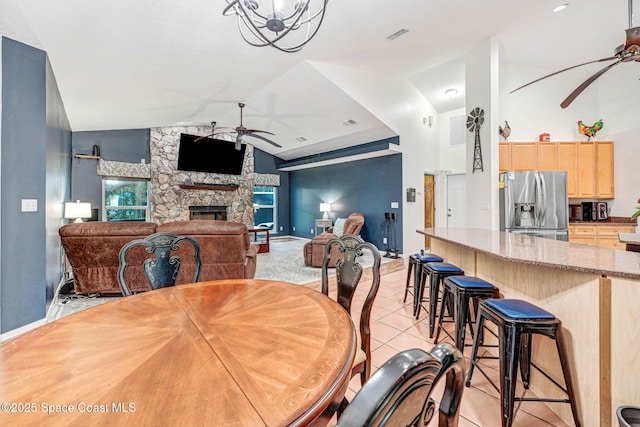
x,y
250,131
563,70
204,137
265,139
573,95
238,145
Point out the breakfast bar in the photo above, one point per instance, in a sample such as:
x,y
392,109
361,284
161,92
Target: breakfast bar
x,y
594,291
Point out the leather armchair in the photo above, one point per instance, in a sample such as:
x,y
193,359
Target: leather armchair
x,y
314,249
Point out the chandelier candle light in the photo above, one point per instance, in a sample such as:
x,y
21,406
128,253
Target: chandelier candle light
x,y
267,22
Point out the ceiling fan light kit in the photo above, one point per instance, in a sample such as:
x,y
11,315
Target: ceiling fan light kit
x,y
268,22
628,52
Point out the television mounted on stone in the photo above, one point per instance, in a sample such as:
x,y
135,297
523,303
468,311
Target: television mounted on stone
x,y
211,155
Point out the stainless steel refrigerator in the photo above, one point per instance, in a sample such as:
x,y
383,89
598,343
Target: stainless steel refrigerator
x,y
535,203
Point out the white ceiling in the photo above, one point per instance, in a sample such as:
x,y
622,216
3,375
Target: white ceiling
x,y
125,64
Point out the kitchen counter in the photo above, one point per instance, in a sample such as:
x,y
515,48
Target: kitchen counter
x,y
614,220
543,252
594,291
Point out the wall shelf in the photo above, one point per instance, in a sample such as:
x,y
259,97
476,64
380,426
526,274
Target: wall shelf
x,y
86,156
219,187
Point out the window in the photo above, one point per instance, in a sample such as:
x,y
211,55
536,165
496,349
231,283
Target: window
x,y
125,200
264,207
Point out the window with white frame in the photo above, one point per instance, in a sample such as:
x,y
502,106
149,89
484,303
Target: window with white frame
x,y
125,200
264,208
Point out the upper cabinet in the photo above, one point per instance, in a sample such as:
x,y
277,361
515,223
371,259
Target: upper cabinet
x,y
589,164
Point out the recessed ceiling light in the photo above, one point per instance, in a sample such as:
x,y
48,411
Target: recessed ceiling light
x,y
560,7
397,34
349,122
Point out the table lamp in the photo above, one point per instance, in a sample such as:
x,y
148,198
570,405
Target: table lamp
x,y
77,210
325,207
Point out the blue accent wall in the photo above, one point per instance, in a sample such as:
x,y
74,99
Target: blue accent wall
x,y
34,165
129,145
266,163
367,186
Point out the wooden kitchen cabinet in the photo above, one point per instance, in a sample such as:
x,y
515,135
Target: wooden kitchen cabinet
x,y
589,164
585,234
605,188
504,153
587,169
568,161
524,156
605,235
547,156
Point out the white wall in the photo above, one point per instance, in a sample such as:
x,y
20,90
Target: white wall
x,y
481,81
398,104
452,157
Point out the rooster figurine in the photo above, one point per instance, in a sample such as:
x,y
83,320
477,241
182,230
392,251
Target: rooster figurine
x,y
589,130
506,131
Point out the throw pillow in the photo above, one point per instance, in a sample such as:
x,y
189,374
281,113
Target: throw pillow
x,y
338,227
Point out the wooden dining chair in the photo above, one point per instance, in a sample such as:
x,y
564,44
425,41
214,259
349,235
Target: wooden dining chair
x,y
399,393
162,269
348,276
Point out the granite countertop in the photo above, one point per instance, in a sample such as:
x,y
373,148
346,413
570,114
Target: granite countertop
x,y
633,238
544,252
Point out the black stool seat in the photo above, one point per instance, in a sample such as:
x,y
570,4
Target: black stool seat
x,y
517,320
465,292
437,272
417,260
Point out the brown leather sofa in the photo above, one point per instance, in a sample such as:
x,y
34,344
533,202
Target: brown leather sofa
x,y
92,250
314,249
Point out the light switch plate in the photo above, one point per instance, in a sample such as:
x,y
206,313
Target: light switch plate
x,y
394,205
29,205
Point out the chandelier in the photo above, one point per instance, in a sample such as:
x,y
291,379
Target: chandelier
x,y
286,25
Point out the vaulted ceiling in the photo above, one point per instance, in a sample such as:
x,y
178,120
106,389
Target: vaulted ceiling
x,y
134,64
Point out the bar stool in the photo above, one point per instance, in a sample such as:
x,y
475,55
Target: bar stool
x,y
517,320
437,272
418,260
463,291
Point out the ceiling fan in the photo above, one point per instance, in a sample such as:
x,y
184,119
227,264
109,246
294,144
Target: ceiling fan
x,y
630,51
240,131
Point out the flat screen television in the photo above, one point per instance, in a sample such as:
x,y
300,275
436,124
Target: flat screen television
x,y
209,155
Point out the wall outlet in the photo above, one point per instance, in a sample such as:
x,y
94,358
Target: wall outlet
x,y
294,228
312,231
384,240
281,228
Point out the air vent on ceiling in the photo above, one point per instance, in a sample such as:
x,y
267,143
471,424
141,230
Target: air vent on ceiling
x,y
397,34
349,122
301,139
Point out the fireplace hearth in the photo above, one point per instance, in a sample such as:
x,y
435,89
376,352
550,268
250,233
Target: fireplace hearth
x,y
208,212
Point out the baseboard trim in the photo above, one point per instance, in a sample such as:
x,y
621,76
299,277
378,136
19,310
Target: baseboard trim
x,y
21,330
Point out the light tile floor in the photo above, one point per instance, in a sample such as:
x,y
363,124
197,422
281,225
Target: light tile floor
x,y
395,329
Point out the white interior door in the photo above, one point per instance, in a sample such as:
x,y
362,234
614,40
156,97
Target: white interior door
x,y
456,200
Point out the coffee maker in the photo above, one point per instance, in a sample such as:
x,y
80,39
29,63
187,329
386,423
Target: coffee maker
x,y
602,211
589,210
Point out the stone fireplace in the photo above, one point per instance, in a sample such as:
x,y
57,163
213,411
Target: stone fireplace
x,y
173,191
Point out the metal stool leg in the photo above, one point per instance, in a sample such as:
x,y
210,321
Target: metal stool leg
x,y
406,288
509,350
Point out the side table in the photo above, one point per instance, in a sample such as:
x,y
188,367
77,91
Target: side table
x,y
322,224
260,237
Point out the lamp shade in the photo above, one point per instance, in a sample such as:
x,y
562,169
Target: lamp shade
x,y
77,210
325,207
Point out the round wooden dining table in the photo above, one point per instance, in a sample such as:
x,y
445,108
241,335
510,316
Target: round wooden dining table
x,y
219,353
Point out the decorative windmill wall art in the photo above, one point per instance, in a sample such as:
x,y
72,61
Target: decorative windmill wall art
x,y
475,119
